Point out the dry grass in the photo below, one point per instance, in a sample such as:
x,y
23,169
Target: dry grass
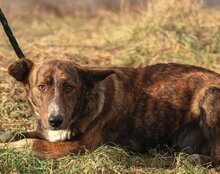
x,y
168,31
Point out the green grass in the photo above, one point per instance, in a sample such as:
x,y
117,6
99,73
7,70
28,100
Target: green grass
x,y
168,31
105,159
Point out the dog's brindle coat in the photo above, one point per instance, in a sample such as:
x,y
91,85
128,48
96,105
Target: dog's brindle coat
x,y
81,108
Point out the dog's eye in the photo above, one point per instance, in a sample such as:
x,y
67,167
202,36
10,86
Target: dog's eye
x,y
67,88
42,88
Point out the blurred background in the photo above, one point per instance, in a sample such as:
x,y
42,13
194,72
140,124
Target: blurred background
x,y
72,7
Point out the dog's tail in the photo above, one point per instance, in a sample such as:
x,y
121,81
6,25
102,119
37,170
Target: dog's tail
x,y
10,35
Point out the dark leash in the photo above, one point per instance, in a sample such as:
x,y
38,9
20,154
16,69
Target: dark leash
x,y
10,35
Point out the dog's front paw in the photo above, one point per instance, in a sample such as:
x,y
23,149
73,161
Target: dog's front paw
x,y
7,137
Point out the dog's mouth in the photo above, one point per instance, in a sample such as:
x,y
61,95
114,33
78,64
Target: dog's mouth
x,y
64,133
59,135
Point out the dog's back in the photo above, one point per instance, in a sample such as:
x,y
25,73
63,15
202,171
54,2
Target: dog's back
x,y
155,105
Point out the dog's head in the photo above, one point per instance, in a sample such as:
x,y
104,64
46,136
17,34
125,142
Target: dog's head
x,y
56,91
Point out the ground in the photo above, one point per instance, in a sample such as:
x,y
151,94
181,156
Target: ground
x,y
168,31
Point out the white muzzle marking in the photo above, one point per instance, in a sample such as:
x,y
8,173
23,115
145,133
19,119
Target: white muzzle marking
x,y
58,135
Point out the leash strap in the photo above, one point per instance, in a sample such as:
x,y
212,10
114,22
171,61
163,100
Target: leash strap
x,y
10,35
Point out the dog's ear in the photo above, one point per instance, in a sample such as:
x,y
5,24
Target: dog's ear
x,y
92,76
20,69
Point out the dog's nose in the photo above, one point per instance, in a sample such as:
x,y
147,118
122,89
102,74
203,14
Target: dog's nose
x,y
55,121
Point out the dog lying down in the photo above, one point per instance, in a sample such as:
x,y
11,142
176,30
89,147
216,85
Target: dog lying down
x,y
80,108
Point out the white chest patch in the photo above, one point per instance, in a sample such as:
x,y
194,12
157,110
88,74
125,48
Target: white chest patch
x,y
58,135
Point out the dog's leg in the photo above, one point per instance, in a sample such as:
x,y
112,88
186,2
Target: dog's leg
x,y
201,137
44,148
21,144
56,149
15,136
210,122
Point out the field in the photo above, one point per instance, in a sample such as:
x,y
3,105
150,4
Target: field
x,y
167,31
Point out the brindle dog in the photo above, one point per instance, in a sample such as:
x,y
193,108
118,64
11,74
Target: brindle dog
x,y
81,108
